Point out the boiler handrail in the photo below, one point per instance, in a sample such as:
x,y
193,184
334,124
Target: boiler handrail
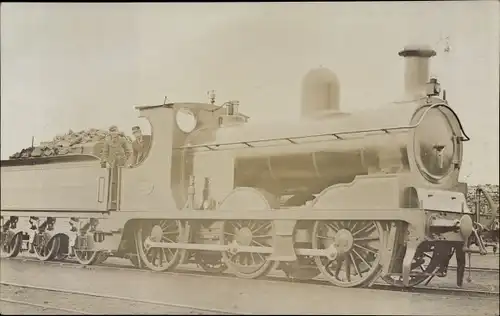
x,y
337,136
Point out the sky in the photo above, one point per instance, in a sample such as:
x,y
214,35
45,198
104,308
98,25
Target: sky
x,y
81,65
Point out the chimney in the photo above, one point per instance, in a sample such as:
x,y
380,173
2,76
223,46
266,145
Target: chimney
x,y
416,69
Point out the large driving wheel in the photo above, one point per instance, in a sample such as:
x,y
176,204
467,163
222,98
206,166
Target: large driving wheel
x,y
359,245
248,233
46,247
258,233
164,231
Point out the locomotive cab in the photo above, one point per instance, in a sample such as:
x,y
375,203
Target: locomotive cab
x,y
160,182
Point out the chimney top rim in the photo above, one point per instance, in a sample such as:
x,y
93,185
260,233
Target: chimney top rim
x,y
417,51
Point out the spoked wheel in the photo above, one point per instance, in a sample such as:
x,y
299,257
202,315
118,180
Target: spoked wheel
x,y
358,245
248,233
421,267
211,263
88,257
103,256
46,248
11,244
164,231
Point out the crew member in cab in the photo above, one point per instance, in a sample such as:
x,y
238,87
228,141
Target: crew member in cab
x,y
140,146
116,150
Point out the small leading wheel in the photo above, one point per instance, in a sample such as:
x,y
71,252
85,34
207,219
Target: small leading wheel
x,y
162,231
134,260
420,271
46,247
358,245
248,233
11,244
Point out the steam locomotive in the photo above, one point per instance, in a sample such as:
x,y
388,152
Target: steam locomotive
x,y
349,196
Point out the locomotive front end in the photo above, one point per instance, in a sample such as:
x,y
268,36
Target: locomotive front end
x,y
437,144
434,157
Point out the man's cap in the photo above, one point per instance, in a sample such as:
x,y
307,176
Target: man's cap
x,y
113,128
136,128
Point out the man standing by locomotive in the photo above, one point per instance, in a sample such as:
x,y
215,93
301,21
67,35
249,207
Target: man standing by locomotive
x,y
140,146
115,153
116,150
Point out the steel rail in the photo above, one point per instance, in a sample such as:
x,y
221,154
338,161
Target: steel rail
x,y
121,298
276,279
44,306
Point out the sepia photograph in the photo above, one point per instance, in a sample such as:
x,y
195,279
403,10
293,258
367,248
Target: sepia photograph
x,y
239,158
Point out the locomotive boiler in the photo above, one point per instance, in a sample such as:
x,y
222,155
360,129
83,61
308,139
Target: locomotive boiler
x,y
351,196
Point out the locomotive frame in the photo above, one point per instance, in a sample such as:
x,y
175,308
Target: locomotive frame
x,y
379,224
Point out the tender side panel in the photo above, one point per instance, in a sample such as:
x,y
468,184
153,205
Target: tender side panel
x,y
70,186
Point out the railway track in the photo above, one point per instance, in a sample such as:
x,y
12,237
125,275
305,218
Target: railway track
x,y
180,308
379,285
491,270
44,306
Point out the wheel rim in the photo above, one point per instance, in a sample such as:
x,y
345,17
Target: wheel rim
x,y
358,244
420,268
248,233
46,248
85,257
160,259
11,244
135,261
102,256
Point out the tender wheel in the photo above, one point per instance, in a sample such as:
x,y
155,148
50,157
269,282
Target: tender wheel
x,y
103,256
46,248
11,244
165,231
421,268
88,257
358,245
